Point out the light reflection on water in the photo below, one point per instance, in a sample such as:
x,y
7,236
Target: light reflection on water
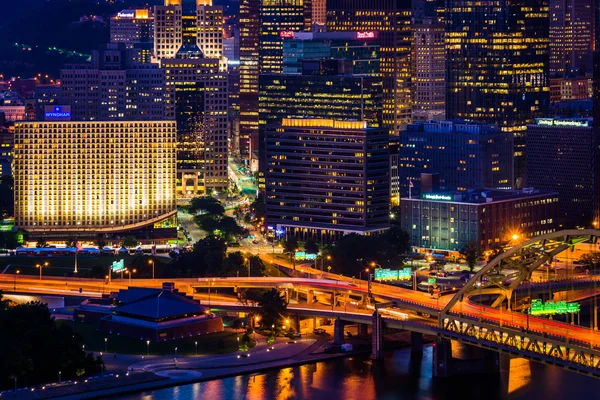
x,y
398,377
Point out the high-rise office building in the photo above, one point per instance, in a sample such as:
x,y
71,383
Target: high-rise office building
x,y
93,177
263,25
175,26
114,87
363,50
465,155
319,12
198,89
497,66
132,27
572,36
561,157
429,70
326,178
333,95
392,19
168,29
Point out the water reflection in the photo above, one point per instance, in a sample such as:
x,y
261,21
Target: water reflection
x,y
400,376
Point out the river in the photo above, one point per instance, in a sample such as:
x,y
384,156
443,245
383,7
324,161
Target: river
x,y
397,377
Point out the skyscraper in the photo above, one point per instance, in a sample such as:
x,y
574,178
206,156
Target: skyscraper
x,y
263,24
132,27
175,26
429,70
497,66
198,89
392,19
113,86
572,37
326,178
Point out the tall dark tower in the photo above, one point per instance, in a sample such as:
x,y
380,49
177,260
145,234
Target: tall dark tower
x,y
497,66
392,19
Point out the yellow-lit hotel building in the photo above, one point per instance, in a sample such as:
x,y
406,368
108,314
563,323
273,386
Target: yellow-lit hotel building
x,y
94,177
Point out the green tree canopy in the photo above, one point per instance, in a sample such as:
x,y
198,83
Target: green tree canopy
x,y
273,308
206,205
129,241
311,246
472,253
33,349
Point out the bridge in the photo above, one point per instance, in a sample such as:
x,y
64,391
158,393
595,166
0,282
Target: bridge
x,y
480,314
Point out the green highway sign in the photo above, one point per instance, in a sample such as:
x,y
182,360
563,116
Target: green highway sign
x,y
431,280
386,274
551,308
118,266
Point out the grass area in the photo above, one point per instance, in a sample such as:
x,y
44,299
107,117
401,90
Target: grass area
x,y
213,343
61,266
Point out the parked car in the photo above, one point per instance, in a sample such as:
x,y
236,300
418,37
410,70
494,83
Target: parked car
x,y
319,331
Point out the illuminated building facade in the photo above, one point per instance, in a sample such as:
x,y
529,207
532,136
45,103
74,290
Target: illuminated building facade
x,y
319,12
263,25
107,176
429,71
168,29
465,155
335,96
199,90
497,66
572,36
175,27
363,49
560,157
570,88
447,221
326,178
114,87
132,27
6,153
392,19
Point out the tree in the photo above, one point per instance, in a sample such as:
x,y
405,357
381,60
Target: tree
x,y
273,308
129,241
206,205
472,253
8,240
258,208
398,238
311,246
590,259
206,258
39,348
7,204
41,243
290,245
70,242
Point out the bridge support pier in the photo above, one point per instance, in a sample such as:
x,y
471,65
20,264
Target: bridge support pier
x,y
416,342
444,366
377,337
338,332
310,297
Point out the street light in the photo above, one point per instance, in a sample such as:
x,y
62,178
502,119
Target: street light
x,y
41,267
515,236
105,344
196,344
248,261
152,262
147,347
59,376
17,272
367,270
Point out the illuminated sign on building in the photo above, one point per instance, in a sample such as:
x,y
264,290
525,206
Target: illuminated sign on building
x,y
365,35
57,113
432,196
550,307
126,14
582,123
286,34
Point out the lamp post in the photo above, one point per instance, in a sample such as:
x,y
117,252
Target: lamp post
x,y
360,275
17,272
105,344
196,344
147,347
41,267
152,262
59,376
